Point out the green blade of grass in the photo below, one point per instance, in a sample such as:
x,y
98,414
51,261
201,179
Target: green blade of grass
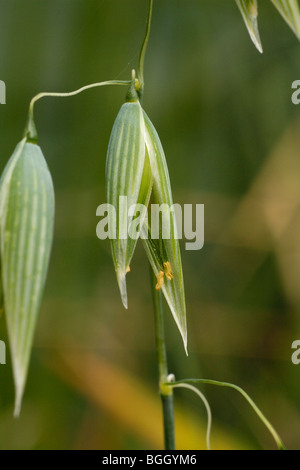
x,y
289,10
248,9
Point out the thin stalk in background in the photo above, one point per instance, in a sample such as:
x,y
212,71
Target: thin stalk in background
x,y
166,392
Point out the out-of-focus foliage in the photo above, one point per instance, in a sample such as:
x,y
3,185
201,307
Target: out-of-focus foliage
x,y
231,136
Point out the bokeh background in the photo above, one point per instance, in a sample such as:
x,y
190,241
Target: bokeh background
x,y
231,137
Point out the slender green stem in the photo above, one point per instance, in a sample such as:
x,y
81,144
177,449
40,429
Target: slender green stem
x,y
206,404
244,394
169,425
30,130
166,392
143,51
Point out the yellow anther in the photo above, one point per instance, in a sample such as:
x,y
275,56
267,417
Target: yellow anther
x,y
160,280
128,269
169,274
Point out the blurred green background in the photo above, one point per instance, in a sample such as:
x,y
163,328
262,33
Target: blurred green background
x,y
231,137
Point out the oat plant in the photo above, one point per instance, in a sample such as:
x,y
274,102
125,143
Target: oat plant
x,y
136,172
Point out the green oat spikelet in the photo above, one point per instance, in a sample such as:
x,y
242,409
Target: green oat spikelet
x,y
26,230
164,253
128,176
136,168
289,10
249,11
